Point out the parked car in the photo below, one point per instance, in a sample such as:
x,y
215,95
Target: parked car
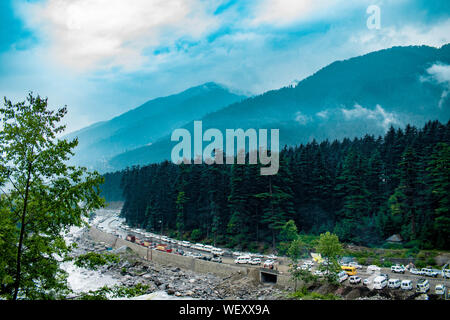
x,y
398,269
446,273
355,264
161,248
242,260
318,273
354,280
185,244
208,248
206,257
415,271
217,252
373,268
440,289
406,285
342,276
422,286
272,257
384,275
429,272
305,267
379,282
217,259
367,282
268,264
255,261
394,283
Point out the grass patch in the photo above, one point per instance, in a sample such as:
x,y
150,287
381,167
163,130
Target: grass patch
x,y
304,294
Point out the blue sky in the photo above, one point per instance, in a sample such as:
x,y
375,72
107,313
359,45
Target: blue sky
x,y
104,57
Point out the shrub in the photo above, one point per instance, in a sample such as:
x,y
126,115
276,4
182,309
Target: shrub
x,y
196,234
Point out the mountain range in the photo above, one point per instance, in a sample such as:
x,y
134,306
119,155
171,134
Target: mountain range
x,y
362,95
147,123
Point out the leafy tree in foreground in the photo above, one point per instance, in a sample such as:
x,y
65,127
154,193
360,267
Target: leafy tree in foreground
x,y
42,197
330,248
295,251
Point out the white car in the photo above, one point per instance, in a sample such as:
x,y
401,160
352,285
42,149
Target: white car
x,y
268,264
367,282
185,244
373,268
406,285
208,248
272,257
305,267
217,252
440,289
398,269
355,264
255,261
318,273
242,260
354,280
342,276
415,271
379,282
394,283
429,272
422,286
446,273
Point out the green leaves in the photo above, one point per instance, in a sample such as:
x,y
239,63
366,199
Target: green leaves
x,y
93,260
46,196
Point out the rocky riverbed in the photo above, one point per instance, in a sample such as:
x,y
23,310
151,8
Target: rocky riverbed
x,y
168,282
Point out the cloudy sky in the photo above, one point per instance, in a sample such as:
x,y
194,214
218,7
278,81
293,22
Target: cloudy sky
x,y
103,57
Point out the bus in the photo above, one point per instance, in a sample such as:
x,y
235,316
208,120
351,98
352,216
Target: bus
x,y
351,271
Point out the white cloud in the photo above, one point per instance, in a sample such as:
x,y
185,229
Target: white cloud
x,y
324,114
301,118
114,33
285,12
439,73
434,35
384,119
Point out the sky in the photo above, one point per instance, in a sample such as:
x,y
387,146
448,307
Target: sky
x,y
104,57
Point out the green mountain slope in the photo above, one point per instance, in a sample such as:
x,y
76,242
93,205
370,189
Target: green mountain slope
x,y
365,94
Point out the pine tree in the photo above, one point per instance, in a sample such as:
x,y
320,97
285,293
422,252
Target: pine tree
x,y
439,170
404,200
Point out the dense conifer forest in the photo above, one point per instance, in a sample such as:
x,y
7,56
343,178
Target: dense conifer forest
x,y
363,189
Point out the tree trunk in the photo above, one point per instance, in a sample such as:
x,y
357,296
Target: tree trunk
x,y
22,232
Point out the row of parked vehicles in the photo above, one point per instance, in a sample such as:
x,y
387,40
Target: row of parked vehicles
x,y
256,261
382,281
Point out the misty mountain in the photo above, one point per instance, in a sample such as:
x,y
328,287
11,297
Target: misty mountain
x,y
354,97
147,123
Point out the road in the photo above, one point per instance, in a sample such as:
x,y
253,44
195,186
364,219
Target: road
x,y
109,221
